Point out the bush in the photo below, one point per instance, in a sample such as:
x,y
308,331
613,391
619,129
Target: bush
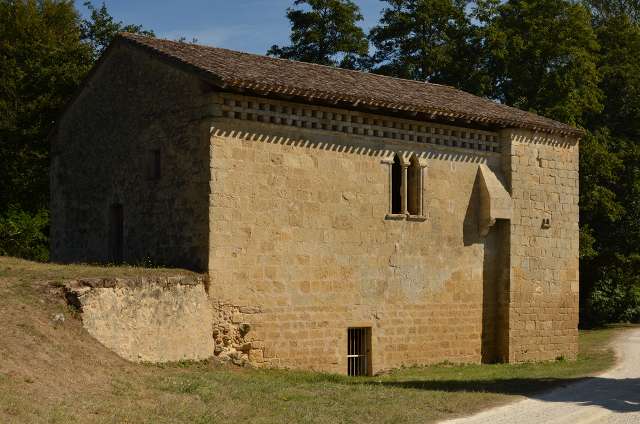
x,y
616,297
25,235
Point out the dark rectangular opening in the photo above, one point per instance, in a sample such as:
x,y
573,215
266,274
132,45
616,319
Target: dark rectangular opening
x,y
396,186
116,233
359,351
154,165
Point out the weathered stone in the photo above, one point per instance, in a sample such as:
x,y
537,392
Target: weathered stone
x,y
244,328
289,208
99,162
244,347
250,310
256,356
148,322
224,357
58,319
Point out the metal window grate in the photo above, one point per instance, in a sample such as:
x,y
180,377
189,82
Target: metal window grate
x,y
358,351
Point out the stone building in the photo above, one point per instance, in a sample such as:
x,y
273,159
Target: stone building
x,y
347,222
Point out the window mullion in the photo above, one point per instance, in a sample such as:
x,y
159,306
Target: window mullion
x,y
404,189
420,192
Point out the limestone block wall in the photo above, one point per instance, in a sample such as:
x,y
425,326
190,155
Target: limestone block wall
x,y
133,106
300,241
147,319
543,294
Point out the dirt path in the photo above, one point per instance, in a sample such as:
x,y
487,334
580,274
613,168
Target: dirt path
x,y
612,397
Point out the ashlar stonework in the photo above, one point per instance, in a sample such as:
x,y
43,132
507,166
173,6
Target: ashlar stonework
x,y
318,200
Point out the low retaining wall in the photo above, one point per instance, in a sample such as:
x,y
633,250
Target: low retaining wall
x,y
157,319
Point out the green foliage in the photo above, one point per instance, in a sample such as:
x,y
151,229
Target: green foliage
x,y
24,235
42,60
429,40
45,52
600,169
615,297
619,64
610,226
325,32
98,31
610,179
604,10
542,55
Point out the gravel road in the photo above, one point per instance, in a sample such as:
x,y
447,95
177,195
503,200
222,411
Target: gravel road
x,y
612,397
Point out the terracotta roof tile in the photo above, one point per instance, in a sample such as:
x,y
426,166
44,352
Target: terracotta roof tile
x,y
267,75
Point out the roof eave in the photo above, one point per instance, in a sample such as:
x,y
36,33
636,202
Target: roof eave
x,y
359,103
265,90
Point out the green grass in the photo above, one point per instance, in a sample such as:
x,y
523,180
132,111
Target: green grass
x,y
407,395
58,374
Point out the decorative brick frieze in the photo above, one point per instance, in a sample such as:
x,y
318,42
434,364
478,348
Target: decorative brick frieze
x,y
352,122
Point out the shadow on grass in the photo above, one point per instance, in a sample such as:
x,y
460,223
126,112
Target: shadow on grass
x,y
619,395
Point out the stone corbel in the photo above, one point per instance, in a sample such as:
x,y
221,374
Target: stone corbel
x,y
388,158
405,158
495,200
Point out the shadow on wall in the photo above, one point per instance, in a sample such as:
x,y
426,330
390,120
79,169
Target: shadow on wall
x,y
363,146
495,279
617,395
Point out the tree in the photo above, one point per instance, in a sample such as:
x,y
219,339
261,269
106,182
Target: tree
x,y
604,10
543,58
42,60
101,27
610,281
428,40
610,181
325,32
619,65
45,52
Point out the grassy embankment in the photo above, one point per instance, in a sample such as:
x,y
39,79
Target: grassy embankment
x,y
56,373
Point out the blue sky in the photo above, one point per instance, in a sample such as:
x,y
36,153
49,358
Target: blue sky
x,y
246,25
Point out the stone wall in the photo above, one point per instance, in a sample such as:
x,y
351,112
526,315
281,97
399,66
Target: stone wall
x,y
287,206
543,292
300,238
131,106
147,319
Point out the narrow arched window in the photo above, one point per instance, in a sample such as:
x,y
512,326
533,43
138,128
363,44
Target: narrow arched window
x,y
396,186
414,187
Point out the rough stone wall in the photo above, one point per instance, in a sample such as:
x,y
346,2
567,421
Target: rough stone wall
x,y
543,292
291,220
147,319
300,241
132,105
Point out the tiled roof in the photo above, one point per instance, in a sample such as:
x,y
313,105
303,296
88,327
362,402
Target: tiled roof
x,y
308,82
